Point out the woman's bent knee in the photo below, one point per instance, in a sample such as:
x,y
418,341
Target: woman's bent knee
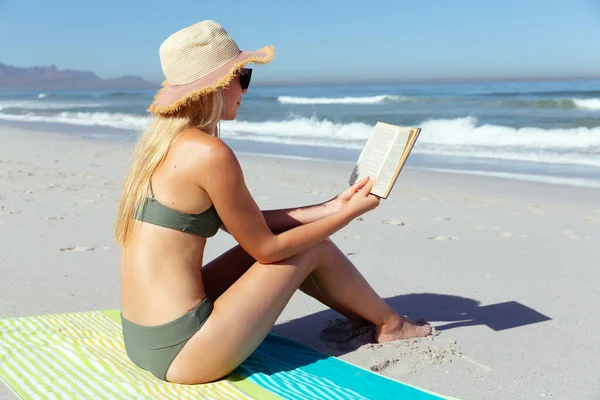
x,y
323,249
313,256
324,245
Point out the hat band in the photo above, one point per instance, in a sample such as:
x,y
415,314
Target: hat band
x,y
199,74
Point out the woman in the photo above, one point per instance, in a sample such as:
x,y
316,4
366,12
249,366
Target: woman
x,y
189,323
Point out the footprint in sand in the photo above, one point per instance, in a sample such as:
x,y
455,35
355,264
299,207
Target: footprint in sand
x,y
338,331
592,219
76,248
394,222
401,368
506,234
510,235
339,336
441,237
413,354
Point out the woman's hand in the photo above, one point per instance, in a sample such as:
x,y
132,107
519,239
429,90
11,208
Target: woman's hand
x,y
357,197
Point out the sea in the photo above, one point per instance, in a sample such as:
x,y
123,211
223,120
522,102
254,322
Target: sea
x,y
542,131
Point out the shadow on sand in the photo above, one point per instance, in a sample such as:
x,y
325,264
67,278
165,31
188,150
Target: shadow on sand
x,y
444,311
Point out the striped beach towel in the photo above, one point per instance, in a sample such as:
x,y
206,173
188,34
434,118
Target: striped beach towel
x,y
81,356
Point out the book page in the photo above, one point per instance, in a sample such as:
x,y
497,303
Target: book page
x,y
384,155
374,155
388,173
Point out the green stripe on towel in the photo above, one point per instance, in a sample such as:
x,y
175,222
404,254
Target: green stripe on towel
x,y
81,356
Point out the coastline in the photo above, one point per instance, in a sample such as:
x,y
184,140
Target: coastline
x,y
503,268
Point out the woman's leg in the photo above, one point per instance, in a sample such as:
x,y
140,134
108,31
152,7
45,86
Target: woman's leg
x,y
222,272
245,313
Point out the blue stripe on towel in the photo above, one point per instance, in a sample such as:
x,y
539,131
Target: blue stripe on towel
x,y
294,371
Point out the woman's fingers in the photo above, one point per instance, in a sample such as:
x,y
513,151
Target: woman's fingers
x,y
359,184
368,186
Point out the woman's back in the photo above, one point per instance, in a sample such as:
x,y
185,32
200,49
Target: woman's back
x,y
162,263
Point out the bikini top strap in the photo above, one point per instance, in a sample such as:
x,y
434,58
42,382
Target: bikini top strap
x,y
151,192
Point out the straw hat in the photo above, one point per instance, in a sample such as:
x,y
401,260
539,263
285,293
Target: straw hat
x,y
197,60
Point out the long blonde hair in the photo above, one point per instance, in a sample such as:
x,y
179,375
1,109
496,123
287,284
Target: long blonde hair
x,y
151,149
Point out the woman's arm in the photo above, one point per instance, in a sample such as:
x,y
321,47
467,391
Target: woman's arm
x,y
226,187
285,219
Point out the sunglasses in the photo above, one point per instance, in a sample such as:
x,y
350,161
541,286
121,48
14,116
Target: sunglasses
x,y
245,76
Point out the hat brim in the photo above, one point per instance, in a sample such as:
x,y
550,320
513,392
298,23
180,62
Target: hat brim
x,y
172,98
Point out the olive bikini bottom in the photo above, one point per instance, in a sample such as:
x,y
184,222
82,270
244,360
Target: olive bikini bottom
x,y
154,348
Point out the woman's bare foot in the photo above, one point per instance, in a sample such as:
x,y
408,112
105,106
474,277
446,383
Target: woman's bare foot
x,y
401,328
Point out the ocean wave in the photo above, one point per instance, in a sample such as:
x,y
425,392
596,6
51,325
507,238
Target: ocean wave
x,y
467,131
459,137
33,105
384,98
546,93
299,130
113,120
591,104
464,131
564,104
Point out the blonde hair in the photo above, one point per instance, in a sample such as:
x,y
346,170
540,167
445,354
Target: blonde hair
x,y
152,148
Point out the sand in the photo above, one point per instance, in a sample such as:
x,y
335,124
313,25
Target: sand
x,y
506,271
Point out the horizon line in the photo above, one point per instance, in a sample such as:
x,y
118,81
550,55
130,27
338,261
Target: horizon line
x,y
375,82
431,81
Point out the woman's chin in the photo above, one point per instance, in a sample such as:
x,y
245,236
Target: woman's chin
x,y
228,117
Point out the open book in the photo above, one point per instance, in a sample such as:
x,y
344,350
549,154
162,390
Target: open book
x,y
384,156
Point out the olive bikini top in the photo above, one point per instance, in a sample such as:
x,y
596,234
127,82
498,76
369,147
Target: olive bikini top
x,y
205,224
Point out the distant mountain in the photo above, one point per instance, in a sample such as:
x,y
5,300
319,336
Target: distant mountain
x,y
52,78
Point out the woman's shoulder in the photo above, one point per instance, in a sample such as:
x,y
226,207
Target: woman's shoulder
x,y
201,149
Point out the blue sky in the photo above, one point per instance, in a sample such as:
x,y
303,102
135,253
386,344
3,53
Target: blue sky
x,y
318,41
